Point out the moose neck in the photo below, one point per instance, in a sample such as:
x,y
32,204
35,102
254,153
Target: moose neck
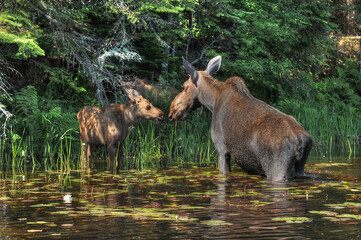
x,y
129,113
208,90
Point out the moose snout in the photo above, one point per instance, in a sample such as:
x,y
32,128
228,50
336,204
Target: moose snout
x,y
170,116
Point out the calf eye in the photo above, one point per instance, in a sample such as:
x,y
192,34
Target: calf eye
x,y
147,107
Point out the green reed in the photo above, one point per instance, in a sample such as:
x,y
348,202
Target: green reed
x,y
153,144
328,127
65,155
20,153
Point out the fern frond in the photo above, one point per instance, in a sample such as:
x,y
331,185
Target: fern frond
x,y
27,101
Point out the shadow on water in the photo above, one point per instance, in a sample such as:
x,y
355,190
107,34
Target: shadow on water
x,y
183,203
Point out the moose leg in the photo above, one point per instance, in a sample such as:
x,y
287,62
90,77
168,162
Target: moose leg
x,y
224,162
281,165
85,154
112,151
227,163
224,158
115,152
89,154
300,166
119,155
303,150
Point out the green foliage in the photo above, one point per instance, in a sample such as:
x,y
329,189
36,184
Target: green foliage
x,y
46,126
337,92
17,29
270,43
71,93
327,125
154,145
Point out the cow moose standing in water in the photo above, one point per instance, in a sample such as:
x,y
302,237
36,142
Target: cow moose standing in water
x,y
261,139
110,124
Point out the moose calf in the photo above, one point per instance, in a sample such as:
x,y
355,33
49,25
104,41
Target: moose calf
x,y
152,91
110,124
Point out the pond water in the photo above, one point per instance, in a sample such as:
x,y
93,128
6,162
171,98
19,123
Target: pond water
x,y
184,203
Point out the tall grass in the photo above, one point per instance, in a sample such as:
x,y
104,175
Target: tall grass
x,y
17,153
152,144
165,143
329,128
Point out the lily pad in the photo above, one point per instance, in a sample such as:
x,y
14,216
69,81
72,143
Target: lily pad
x,y
293,219
327,213
216,223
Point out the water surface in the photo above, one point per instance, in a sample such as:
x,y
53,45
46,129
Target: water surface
x,y
186,203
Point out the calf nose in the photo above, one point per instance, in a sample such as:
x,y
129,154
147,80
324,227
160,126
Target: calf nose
x,y
161,115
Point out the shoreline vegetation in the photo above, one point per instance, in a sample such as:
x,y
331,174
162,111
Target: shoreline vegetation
x,y
57,57
162,144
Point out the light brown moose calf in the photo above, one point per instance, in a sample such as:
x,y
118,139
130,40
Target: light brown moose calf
x,y
110,124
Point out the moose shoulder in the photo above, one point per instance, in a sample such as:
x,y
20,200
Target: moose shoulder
x,y
260,138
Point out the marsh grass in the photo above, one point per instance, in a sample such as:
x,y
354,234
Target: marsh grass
x,y
18,153
152,144
329,128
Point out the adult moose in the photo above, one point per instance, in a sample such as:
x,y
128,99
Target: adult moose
x,y
261,139
110,125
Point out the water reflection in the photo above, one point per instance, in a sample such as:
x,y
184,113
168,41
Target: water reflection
x,y
244,208
181,203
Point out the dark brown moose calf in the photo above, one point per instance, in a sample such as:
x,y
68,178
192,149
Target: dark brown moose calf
x,y
152,91
110,125
261,139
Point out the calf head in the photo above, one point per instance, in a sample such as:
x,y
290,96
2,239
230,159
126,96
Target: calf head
x,y
143,109
187,100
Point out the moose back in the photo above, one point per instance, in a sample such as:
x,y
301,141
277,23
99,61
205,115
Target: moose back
x,y
152,91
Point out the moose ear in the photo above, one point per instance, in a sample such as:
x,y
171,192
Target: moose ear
x,y
191,71
132,94
214,65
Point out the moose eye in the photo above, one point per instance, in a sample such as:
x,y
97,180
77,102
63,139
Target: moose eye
x,y
147,107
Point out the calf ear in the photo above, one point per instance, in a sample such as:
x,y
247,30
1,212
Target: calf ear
x,y
191,71
214,65
132,94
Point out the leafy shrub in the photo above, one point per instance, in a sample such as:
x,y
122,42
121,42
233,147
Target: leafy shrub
x,y
19,30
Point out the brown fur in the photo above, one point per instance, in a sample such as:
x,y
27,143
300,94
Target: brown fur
x,y
110,125
260,138
152,91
